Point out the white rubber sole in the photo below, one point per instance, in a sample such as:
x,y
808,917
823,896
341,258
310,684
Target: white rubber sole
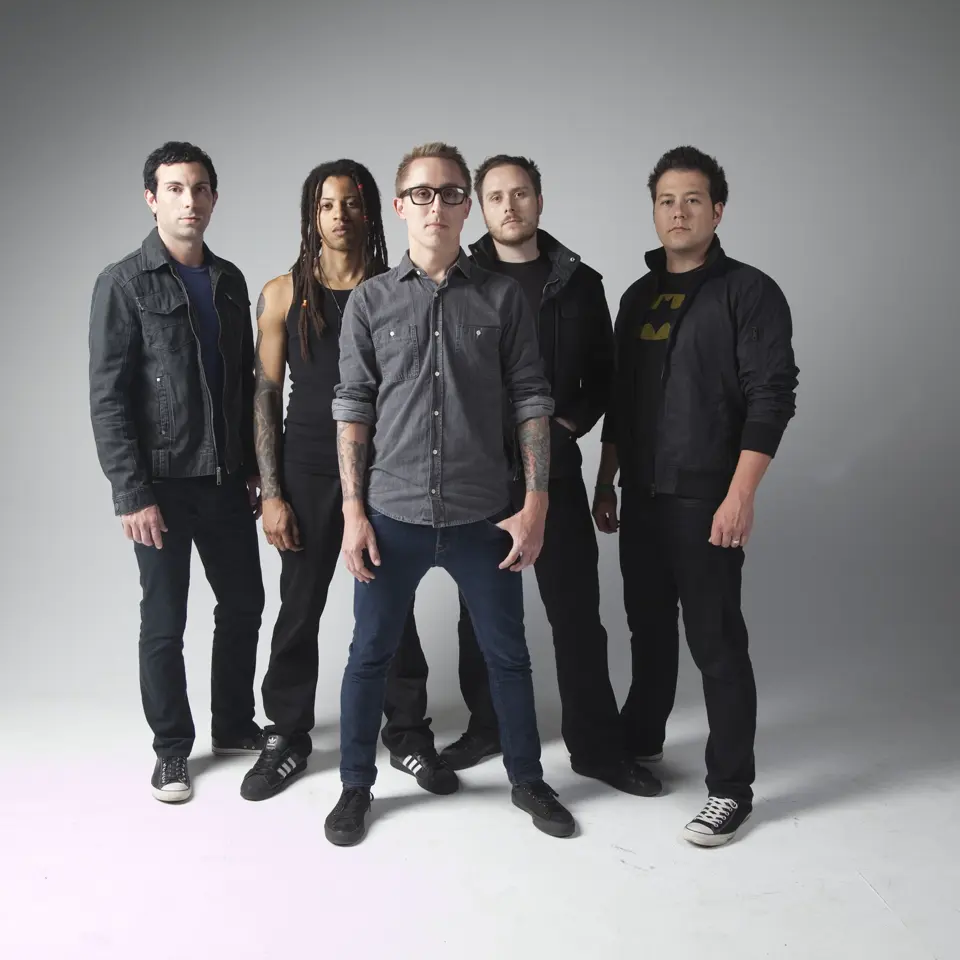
x,y
712,839
172,796
653,758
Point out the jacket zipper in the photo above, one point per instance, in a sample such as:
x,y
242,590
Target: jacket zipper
x,y
203,373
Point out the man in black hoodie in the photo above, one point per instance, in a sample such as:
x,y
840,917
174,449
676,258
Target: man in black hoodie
x,y
705,386
576,346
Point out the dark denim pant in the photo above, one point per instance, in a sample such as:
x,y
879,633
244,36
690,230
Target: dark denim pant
x,y
290,684
218,519
470,554
666,558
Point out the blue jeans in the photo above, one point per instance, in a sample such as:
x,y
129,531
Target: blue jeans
x,y
471,554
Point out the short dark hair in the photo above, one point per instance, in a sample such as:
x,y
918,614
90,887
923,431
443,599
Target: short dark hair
x,y
176,151
690,158
505,160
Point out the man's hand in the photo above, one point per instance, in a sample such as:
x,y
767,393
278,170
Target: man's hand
x,y
733,521
145,526
526,528
280,525
253,492
358,536
605,509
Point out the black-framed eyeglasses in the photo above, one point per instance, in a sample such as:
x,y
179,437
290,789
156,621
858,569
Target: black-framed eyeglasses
x,y
422,195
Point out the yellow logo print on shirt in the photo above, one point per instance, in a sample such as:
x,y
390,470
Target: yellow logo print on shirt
x,y
676,300
648,333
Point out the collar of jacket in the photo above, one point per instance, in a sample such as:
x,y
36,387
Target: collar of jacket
x,y
563,260
657,259
155,255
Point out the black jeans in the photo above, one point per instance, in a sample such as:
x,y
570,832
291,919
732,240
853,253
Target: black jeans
x,y
470,553
218,519
566,572
666,558
290,685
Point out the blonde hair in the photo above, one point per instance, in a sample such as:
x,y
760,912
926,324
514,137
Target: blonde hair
x,y
435,149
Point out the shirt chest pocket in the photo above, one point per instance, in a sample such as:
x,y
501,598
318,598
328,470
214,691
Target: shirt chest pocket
x,y
478,346
166,323
398,353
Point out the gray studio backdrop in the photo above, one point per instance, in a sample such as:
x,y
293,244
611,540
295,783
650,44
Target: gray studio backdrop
x,y
836,122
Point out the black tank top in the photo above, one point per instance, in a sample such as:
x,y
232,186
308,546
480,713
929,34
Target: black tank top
x,y
310,432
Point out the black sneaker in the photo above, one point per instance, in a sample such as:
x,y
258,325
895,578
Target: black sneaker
x,y
469,750
717,823
345,825
540,801
627,776
432,772
240,746
171,780
279,763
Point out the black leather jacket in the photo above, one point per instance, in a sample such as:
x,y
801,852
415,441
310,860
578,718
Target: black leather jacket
x,y
151,410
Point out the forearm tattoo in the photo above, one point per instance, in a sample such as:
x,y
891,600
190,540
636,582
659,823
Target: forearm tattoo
x,y
352,457
267,419
534,437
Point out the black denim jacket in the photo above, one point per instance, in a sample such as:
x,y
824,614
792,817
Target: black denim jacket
x,y
151,410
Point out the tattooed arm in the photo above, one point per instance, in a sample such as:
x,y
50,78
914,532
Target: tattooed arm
x,y
534,437
279,522
353,441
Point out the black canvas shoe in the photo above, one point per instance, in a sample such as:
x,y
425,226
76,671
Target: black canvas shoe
x,y
627,776
717,823
279,763
431,771
171,780
345,825
469,750
240,746
540,801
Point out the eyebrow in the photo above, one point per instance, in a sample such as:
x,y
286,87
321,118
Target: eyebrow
x,y
686,193
178,183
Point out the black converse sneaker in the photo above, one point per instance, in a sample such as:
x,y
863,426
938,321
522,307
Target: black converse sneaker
x,y
548,813
717,823
239,746
171,780
345,825
279,763
432,772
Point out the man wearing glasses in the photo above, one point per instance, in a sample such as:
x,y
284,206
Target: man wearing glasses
x,y
429,353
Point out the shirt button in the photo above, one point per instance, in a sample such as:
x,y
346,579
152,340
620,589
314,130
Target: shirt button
x,y
437,334
435,452
436,374
433,491
392,333
436,413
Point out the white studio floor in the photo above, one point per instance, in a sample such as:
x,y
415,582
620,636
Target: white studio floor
x,y
852,850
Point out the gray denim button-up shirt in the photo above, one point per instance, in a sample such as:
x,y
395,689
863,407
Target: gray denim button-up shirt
x,y
430,367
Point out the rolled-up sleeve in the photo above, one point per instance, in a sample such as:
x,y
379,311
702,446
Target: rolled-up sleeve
x,y
527,387
355,396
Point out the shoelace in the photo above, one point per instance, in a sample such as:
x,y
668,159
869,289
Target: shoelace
x,y
354,799
267,759
545,795
431,761
716,810
173,770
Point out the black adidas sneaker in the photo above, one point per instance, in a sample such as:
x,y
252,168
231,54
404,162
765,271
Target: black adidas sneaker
x,y
279,763
239,746
432,772
717,823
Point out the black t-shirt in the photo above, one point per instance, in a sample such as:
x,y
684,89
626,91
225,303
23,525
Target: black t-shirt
x,y
532,277
651,331
310,433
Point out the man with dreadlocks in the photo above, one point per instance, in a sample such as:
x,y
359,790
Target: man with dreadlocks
x,y
298,321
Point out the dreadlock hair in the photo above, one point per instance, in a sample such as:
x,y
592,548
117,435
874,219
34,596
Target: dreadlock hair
x,y
307,289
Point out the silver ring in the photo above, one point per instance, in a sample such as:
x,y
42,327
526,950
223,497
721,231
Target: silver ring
x,y
735,542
